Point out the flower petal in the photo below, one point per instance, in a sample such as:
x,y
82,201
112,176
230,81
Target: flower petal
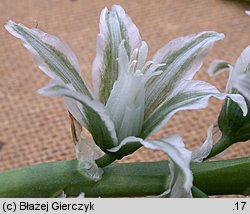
x,y
97,120
190,95
115,26
241,73
53,56
203,151
74,108
231,122
218,66
242,83
181,178
182,58
242,64
126,100
125,142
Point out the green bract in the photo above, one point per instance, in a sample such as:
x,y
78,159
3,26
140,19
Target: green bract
x,y
132,98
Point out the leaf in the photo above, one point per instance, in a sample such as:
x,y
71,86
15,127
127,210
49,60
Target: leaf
x,y
97,121
189,96
182,58
53,56
115,26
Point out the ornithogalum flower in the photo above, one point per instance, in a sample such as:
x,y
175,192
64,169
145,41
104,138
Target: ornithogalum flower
x,y
239,74
231,122
132,97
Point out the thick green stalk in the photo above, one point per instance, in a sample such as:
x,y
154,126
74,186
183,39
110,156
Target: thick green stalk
x,y
105,160
197,193
122,180
220,146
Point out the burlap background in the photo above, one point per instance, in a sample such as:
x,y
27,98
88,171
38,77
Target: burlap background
x,y
35,129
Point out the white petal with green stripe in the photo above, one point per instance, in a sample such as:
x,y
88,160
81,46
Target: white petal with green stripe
x,y
242,83
97,120
218,66
53,56
239,76
180,180
202,152
115,26
182,58
241,73
127,98
74,108
190,95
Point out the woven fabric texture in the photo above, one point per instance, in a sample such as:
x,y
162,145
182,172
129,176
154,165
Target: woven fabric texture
x,y
35,129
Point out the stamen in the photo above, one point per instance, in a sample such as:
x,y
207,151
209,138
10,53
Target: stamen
x,y
132,66
134,55
154,67
146,66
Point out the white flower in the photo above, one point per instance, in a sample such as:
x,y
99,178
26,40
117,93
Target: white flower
x,y
239,74
133,98
231,122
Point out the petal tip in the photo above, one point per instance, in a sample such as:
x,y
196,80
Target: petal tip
x,y
9,25
221,35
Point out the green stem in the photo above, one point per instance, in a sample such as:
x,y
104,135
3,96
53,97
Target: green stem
x,y
109,158
122,180
197,193
105,160
220,146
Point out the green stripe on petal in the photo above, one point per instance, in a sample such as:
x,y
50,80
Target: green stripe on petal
x,y
97,120
53,56
115,26
218,66
182,58
191,95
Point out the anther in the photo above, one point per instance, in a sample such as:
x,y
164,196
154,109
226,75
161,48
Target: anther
x,y
134,55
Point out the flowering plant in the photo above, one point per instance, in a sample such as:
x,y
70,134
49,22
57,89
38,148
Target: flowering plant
x,y
132,97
